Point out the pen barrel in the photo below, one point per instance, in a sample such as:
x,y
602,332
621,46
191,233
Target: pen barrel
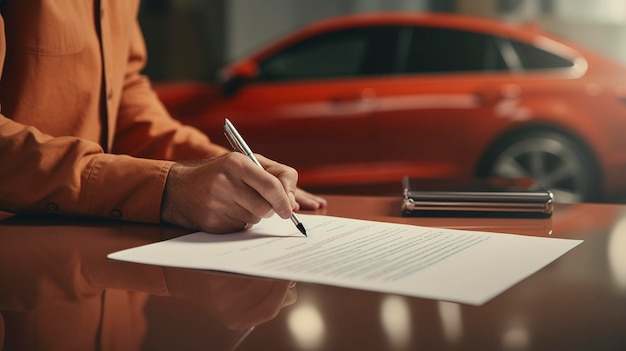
x,y
255,160
295,218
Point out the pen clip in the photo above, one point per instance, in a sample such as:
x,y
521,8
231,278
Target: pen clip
x,y
232,141
231,134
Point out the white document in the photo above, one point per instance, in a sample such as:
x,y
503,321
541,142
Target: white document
x,y
454,265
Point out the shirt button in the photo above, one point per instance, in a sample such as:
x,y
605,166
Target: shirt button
x,y
52,206
110,95
116,213
101,13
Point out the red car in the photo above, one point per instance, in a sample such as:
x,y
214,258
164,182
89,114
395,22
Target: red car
x,y
370,98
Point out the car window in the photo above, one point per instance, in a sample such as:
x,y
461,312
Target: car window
x,y
344,53
440,50
532,57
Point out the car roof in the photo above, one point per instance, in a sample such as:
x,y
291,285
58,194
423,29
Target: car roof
x,y
441,20
523,32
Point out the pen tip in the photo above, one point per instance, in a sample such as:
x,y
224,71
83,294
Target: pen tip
x,y
301,229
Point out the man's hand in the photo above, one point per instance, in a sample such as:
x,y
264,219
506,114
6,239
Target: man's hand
x,y
227,193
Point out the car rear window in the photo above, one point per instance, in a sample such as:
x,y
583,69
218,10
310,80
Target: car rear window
x,y
534,58
441,50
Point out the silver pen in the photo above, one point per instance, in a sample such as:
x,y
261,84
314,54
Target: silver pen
x,y
237,142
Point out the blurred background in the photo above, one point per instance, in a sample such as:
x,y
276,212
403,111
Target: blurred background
x,y
189,39
479,103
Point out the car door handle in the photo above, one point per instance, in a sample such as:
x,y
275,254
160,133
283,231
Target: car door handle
x,y
365,95
492,96
344,99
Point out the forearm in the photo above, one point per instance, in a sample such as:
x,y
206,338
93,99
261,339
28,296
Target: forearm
x,y
144,127
72,176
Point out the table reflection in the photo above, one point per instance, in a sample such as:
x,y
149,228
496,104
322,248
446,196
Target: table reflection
x,y
59,292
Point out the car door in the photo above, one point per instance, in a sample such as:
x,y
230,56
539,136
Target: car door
x,y
428,116
310,105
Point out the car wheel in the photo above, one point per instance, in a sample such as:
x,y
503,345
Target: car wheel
x,y
554,160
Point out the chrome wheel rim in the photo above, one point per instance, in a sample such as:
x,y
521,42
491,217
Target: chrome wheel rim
x,y
553,163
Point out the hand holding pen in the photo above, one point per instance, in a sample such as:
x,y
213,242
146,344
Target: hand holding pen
x,y
227,193
239,144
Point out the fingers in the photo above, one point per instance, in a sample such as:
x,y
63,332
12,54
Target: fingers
x,y
287,176
250,203
276,184
308,201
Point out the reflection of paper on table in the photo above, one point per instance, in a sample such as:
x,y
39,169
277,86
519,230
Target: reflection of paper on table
x,y
463,266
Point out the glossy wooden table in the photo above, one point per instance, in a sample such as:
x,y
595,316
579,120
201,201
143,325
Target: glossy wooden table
x,y
59,292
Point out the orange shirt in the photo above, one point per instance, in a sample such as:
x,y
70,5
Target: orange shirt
x,y
81,131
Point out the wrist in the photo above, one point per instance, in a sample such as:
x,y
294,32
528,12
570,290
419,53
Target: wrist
x,y
167,201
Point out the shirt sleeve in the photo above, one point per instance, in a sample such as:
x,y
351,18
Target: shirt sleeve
x,y
144,126
71,176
